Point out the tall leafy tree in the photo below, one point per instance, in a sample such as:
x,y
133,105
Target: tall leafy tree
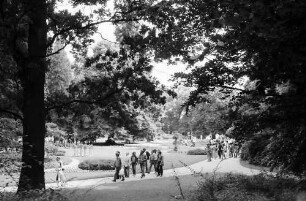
x,y
228,41
24,38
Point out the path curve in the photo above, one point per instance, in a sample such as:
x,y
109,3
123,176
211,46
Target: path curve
x,y
231,165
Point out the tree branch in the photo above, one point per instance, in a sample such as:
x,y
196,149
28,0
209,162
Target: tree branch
x,y
106,39
11,113
89,25
98,101
233,88
58,51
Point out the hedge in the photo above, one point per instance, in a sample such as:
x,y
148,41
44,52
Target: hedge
x,y
97,165
196,152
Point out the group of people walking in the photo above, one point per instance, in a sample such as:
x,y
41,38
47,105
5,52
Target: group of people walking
x,y
145,159
221,149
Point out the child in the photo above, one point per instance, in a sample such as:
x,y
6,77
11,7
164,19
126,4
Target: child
x,y
60,177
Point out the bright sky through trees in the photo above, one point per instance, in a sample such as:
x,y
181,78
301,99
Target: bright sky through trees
x,y
162,71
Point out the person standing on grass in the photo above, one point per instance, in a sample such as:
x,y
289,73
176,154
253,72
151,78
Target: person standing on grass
x,y
142,159
153,161
85,149
126,165
160,163
60,177
75,150
134,161
118,166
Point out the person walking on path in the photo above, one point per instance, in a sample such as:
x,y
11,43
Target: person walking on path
x,y
142,162
153,161
214,151
126,165
118,166
224,150
60,177
134,161
220,150
160,163
209,152
148,157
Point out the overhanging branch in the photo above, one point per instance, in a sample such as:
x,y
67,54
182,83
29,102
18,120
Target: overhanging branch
x,y
87,26
16,115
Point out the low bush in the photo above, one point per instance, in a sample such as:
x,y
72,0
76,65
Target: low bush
x,y
10,162
52,150
197,152
38,195
60,153
97,165
232,187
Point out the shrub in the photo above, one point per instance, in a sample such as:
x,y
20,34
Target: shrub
x,y
10,162
197,152
60,153
232,187
38,195
51,149
97,165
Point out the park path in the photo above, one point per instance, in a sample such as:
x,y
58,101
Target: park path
x,y
230,165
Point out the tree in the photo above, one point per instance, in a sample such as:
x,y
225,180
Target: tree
x,y
226,42
59,75
24,28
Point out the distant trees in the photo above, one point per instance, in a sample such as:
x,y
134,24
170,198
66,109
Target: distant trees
x,y
201,120
59,73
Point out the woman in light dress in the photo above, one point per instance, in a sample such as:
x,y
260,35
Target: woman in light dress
x,y
60,177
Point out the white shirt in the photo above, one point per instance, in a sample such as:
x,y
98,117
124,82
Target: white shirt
x,y
126,161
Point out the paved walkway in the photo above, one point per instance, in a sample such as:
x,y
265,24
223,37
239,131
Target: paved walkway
x,y
231,165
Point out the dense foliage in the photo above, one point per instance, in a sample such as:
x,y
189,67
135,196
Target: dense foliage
x,y
246,188
257,43
202,120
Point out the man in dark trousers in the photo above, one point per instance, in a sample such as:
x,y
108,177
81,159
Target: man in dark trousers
x,y
134,161
142,159
117,165
148,157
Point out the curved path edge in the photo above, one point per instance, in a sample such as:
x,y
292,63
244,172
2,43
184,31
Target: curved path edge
x,y
231,165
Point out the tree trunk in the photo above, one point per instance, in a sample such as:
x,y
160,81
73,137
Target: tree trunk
x,y
33,79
